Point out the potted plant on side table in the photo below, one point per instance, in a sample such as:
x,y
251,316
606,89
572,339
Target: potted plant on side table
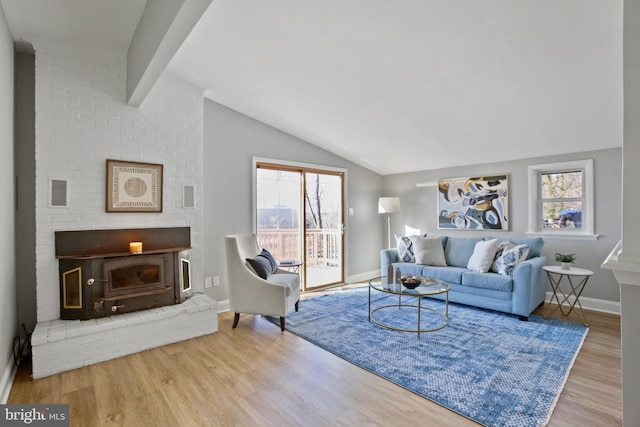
x,y
565,260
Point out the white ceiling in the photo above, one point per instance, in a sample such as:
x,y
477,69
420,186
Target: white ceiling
x,y
92,23
395,86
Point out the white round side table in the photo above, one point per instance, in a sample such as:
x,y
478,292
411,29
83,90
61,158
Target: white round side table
x,y
577,279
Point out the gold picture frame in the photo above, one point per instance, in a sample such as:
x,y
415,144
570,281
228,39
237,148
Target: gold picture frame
x,y
133,186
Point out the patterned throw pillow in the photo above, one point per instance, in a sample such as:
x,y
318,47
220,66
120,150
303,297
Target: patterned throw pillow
x,y
501,247
405,249
511,256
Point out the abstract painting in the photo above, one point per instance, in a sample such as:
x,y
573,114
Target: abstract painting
x,y
474,203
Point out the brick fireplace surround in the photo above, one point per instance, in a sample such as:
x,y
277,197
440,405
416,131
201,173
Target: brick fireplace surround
x,y
81,119
62,345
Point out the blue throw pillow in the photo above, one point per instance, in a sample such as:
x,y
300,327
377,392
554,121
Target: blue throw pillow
x,y
274,264
263,264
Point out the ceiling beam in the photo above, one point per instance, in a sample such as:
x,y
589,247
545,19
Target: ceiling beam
x,y
163,27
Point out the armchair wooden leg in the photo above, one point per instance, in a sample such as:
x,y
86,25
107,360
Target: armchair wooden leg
x,y
236,318
282,324
297,305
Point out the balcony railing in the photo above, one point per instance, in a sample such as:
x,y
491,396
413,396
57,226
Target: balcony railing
x,y
323,245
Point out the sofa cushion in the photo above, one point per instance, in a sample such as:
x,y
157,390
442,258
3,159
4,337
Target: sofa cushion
x,y
535,244
479,294
428,250
511,256
459,249
405,249
448,274
408,268
493,281
483,254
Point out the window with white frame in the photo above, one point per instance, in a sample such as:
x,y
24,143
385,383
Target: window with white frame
x,y
561,199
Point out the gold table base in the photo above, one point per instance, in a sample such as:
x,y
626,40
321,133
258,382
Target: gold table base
x,y
418,306
576,291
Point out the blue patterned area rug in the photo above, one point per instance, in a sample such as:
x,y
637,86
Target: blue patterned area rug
x,y
487,366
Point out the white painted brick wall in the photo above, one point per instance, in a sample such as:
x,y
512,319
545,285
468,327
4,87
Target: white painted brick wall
x,y
82,120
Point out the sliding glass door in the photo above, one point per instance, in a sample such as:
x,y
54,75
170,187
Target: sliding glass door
x,y
299,218
278,216
323,229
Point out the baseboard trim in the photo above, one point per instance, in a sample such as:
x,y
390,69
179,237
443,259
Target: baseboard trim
x,y
7,380
588,303
363,277
223,306
594,304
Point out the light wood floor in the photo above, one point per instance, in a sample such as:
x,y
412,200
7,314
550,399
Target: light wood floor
x,y
257,376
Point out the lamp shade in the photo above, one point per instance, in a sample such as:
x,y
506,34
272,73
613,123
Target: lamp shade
x,y
388,204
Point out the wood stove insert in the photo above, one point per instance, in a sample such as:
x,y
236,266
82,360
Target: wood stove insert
x,y
95,284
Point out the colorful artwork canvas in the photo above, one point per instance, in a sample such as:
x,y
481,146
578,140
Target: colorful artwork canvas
x,y
474,203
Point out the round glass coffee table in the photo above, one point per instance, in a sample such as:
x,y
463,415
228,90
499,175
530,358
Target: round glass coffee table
x,y
428,287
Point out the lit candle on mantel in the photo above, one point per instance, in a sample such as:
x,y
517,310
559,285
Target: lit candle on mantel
x,y
135,247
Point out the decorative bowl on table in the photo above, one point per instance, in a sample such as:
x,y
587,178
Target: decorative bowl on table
x,y
411,282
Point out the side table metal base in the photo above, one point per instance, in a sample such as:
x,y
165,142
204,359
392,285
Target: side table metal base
x,y
555,280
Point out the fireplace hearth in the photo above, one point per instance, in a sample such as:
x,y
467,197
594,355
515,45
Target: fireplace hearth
x,y
99,277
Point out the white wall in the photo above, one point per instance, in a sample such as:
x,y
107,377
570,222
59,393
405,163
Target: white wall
x,y
231,141
82,120
8,315
419,209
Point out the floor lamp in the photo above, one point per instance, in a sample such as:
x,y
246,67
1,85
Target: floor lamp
x,y
388,205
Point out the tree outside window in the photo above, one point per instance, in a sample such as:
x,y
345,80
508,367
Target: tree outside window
x,y
561,199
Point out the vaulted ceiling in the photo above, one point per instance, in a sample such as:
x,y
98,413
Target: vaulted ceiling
x,y
393,86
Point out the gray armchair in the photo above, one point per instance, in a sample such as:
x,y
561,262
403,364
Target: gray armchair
x,y
275,295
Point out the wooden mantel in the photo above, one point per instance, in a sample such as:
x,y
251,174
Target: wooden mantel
x,y
115,242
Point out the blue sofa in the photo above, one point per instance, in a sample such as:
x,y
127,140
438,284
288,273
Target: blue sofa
x,y
518,293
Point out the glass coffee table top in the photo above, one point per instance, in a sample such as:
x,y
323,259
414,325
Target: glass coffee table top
x,y
427,287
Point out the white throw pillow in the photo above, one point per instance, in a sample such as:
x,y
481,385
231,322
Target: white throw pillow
x,y
483,254
428,250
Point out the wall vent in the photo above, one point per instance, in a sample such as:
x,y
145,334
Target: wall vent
x,y
59,191
188,196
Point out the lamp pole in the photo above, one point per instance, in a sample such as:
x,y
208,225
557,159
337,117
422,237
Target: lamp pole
x,y
388,205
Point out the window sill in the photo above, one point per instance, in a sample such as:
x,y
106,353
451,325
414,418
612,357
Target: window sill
x,y
566,236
